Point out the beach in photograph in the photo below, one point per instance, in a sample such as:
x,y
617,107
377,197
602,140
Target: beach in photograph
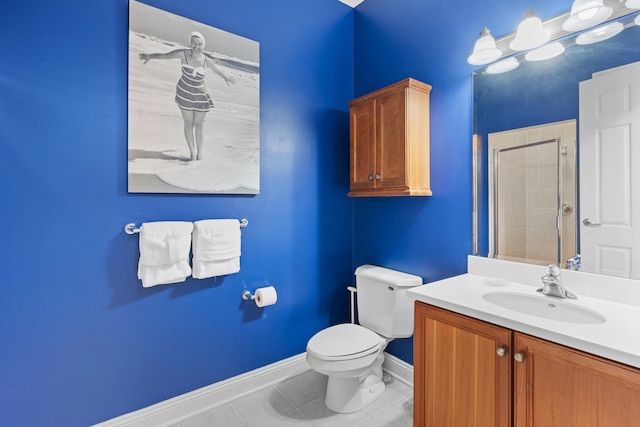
x,y
159,160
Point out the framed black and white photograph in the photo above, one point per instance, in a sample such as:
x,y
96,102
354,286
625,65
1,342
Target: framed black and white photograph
x,y
194,106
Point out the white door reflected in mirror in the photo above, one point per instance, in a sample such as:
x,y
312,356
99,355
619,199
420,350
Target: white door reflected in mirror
x,y
609,203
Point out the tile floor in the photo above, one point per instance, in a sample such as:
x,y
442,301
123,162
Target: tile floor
x,y
299,401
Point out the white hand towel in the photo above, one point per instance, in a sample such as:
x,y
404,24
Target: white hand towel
x,y
216,247
164,252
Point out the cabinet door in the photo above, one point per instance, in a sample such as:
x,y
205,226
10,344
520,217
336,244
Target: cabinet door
x,y
459,377
363,135
391,129
559,386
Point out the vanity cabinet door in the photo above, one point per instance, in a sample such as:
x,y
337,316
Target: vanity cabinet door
x,y
559,386
462,370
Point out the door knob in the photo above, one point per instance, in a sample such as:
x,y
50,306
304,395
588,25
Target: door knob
x,y
370,177
518,357
589,223
501,351
378,176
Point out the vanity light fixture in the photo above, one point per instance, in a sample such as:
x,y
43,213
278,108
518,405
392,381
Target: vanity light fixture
x,y
599,34
485,50
503,66
547,51
585,17
632,4
586,14
530,33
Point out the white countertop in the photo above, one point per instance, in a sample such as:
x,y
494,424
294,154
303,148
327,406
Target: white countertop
x,y
618,338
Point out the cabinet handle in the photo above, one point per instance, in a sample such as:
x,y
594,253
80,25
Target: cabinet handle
x,y
501,351
370,177
518,357
378,176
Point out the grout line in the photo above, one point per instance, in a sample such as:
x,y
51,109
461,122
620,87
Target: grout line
x,y
313,401
283,395
285,398
238,413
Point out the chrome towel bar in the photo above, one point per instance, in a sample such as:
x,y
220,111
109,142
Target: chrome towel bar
x,y
132,228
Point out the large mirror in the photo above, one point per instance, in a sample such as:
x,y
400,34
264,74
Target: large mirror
x,y
579,199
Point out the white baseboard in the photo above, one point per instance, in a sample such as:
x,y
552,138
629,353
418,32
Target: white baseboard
x,y
172,411
398,368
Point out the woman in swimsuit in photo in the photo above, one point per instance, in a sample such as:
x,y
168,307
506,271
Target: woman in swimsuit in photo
x,y
191,93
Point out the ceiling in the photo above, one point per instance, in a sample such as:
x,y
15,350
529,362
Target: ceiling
x,y
352,3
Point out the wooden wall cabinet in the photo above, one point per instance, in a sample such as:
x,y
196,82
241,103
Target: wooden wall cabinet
x,y
472,373
389,134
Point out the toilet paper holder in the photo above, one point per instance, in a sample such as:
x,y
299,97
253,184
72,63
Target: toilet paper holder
x,y
246,295
262,297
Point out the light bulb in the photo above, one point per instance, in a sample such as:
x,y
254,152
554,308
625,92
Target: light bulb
x,y
599,34
530,33
503,66
632,4
545,52
586,14
484,50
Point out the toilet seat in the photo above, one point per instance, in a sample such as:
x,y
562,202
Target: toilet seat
x,y
344,342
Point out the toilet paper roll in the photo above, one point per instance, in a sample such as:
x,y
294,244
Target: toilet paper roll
x,y
266,296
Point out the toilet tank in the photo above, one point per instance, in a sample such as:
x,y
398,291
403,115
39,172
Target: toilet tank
x,y
383,305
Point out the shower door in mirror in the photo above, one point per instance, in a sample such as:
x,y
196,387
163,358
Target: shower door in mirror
x,y
532,188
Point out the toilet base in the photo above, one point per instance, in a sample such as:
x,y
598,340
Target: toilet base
x,y
346,395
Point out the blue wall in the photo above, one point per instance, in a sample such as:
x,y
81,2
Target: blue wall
x,y
429,41
80,340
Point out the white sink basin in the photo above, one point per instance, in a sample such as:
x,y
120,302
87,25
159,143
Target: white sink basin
x,y
543,306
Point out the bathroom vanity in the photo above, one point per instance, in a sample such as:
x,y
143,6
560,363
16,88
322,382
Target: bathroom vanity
x,y
494,352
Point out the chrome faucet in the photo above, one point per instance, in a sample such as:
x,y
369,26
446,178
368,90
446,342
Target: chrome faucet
x,y
573,263
552,285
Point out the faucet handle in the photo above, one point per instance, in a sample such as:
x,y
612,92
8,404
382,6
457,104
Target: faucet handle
x,y
554,270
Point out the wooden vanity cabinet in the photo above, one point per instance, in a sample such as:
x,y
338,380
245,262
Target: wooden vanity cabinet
x,y
389,141
459,377
471,373
560,386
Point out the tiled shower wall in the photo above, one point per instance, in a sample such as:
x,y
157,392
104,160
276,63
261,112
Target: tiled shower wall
x,y
528,202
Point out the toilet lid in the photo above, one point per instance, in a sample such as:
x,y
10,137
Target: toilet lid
x,y
344,340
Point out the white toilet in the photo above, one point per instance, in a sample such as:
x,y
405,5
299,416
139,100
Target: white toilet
x,y
352,355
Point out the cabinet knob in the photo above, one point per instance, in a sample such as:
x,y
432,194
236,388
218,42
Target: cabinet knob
x,y
518,357
378,176
501,351
370,177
